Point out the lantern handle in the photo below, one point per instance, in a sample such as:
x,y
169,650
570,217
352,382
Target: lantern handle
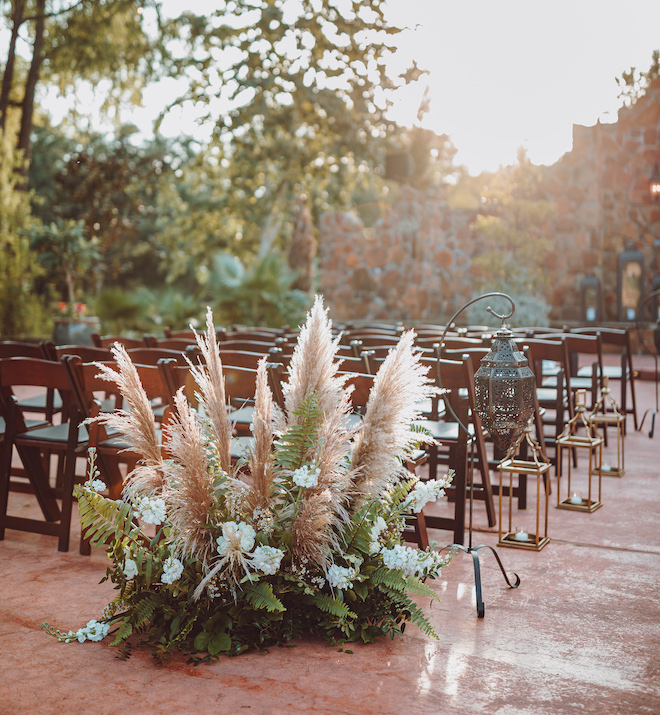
x,y
450,322
489,309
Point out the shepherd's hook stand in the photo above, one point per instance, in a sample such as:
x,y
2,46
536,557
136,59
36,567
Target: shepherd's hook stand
x,y
656,341
470,549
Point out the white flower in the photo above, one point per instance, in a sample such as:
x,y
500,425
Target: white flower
x,y
379,526
423,493
150,509
97,485
172,570
267,559
235,536
413,562
306,476
341,577
130,568
93,631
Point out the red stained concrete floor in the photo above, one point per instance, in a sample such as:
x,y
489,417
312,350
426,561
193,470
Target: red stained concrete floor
x,y
580,635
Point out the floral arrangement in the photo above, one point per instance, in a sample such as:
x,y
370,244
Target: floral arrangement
x,y
303,535
72,310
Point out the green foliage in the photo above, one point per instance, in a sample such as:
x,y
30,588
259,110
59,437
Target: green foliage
x,y
104,520
262,597
514,231
65,252
230,568
255,293
634,83
21,313
299,442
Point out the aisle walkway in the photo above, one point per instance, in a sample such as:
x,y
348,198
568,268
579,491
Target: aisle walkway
x,y
580,635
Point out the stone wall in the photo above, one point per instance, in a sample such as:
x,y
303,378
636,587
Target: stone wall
x,y
414,263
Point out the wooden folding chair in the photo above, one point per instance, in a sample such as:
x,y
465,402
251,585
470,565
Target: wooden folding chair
x,y
113,449
177,377
106,341
46,402
35,444
619,341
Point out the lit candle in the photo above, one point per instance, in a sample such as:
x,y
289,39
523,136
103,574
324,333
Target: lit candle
x,y
605,468
575,498
521,535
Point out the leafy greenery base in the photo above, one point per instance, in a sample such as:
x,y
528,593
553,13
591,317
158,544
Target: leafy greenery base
x,y
266,611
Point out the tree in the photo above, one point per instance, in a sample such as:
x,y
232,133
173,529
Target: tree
x,y
70,40
512,228
304,83
21,313
633,83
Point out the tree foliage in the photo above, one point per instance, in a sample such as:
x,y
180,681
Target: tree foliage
x,y
512,226
633,83
304,85
20,309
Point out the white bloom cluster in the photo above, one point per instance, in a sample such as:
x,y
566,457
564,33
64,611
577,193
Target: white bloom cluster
x,y
267,559
341,577
93,631
264,520
423,493
96,485
235,536
306,476
150,509
412,562
130,568
376,530
172,570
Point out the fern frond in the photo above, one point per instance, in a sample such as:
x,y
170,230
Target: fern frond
x,y
333,606
300,439
103,520
261,596
415,587
416,615
125,630
390,579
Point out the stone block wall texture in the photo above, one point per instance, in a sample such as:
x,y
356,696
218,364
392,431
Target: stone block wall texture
x,y
414,263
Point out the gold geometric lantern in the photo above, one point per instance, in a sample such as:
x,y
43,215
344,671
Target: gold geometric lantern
x,y
537,466
589,442
600,416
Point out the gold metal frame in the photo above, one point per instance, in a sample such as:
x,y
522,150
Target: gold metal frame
x,y
600,417
569,440
538,466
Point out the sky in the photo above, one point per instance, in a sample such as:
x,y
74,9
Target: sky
x,y
512,73
503,74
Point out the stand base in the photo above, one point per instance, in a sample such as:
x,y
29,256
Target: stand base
x,y
641,425
472,550
531,545
585,506
609,471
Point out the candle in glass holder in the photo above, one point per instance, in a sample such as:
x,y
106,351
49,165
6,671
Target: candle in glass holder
x,y
575,498
521,534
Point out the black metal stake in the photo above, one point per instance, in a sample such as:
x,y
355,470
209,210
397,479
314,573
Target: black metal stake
x,y
470,549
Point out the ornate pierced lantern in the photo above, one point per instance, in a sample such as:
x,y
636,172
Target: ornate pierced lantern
x,y
504,390
654,182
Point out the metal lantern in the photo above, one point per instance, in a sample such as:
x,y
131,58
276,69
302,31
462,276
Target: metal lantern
x,y
654,182
504,390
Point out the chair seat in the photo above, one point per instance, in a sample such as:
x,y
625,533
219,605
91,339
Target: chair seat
x,y
443,431
613,372
37,403
242,416
52,433
240,447
31,424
